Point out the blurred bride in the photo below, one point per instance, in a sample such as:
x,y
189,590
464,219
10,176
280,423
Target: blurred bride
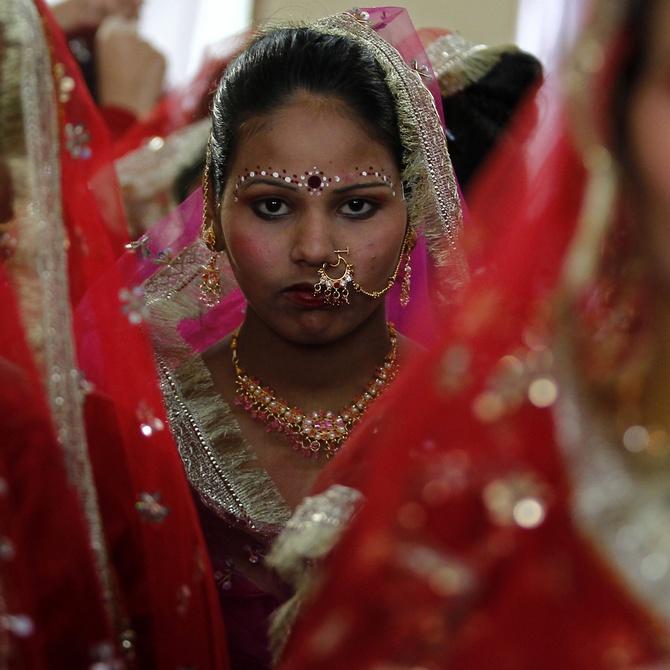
x,y
521,519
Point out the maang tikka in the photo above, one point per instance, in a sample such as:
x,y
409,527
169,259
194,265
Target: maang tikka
x,y
210,279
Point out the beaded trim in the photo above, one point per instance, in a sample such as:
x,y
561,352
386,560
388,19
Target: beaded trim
x,y
41,262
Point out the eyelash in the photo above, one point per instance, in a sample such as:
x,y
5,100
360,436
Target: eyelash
x,y
268,216
371,208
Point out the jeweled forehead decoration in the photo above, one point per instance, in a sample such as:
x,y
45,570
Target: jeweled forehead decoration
x,y
314,181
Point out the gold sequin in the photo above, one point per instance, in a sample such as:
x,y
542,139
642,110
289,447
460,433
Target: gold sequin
x,y
543,392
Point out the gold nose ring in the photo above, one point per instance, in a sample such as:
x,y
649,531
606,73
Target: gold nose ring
x,y
339,257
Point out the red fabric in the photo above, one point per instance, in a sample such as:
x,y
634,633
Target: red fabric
x,y
118,120
49,576
428,576
164,588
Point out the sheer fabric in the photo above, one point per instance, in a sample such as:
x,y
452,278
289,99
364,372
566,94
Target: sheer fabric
x,y
499,518
107,562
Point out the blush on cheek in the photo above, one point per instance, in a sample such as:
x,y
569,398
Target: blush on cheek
x,y
248,250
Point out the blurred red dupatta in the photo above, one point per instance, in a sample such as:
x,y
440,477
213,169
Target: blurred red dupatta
x,y
469,552
104,562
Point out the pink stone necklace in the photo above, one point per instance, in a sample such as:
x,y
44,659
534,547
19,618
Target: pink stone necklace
x,y
317,433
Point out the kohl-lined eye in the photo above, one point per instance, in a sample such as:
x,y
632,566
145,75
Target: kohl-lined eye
x,y
358,208
270,208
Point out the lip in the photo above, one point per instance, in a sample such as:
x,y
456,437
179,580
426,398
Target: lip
x,y
303,295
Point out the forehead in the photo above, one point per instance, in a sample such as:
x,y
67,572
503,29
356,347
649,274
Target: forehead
x,y
309,131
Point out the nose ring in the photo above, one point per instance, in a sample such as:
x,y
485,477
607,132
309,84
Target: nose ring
x,y
338,252
335,290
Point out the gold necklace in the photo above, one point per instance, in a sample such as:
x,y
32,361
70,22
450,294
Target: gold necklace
x,y
316,433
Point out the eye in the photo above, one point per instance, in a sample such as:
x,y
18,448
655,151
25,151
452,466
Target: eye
x,y
358,208
270,208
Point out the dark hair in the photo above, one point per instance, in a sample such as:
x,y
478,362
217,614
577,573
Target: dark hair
x,y
289,60
478,115
634,60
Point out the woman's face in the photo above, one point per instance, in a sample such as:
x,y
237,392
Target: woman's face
x,y
650,140
307,180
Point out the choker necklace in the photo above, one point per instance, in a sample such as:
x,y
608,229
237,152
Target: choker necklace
x,y
317,433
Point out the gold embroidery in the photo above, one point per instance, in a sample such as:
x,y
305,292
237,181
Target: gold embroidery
x,y
30,146
218,462
314,529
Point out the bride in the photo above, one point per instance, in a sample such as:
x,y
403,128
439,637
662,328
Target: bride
x,y
522,518
327,178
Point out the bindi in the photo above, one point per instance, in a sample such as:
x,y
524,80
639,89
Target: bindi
x,y
314,181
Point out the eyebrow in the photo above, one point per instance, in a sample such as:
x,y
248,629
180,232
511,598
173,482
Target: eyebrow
x,y
250,181
294,187
369,184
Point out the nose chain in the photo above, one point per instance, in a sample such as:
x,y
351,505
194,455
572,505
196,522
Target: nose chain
x,y
313,434
335,290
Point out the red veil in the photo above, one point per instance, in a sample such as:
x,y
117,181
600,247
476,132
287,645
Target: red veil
x,y
475,547
101,559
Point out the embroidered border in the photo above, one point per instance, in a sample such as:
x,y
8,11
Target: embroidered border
x,y
42,283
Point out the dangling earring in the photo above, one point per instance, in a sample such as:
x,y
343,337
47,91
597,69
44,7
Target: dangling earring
x,y
210,279
335,290
406,282
406,285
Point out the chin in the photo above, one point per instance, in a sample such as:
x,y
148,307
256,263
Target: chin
x,y
315,327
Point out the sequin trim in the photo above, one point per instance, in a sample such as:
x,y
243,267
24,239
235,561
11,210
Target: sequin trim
x,y
314,529
41,261
219,463
622,510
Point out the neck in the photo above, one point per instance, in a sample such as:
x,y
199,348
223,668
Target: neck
x,y
314,376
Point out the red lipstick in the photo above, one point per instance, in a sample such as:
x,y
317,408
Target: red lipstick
x,y
302,295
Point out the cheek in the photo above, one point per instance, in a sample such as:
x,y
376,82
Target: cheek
x,y
650,136
380,248
650,140
248,250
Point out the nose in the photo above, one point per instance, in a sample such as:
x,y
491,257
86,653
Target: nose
x,y
313,242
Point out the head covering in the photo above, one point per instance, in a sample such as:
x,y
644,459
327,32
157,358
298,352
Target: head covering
x,y
482,86
500,516
170,257
92,495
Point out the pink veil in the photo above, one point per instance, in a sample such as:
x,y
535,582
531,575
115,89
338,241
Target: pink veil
x,y
170,255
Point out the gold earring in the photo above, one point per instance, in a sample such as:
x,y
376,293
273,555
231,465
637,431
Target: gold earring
x,y
210,279
406,282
